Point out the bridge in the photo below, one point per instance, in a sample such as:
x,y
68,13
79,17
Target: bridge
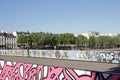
x,y
107,61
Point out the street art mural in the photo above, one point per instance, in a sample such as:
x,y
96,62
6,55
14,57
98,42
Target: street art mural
x,y
24,71
88,55
107,57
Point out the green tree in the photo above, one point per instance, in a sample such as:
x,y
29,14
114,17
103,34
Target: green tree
x,y
39,39
30,40
114,41
81,41
55,40
118,41
22,39
92,42
67,38
35,40
103,41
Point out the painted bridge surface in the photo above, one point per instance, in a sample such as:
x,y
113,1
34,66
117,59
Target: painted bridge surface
x,y
74,64
92,60
100,56
59,65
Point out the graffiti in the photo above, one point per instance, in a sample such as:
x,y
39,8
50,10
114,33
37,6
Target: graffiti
x,y
57,54
107,56
84,56
47,53
33,53
89,55
23,71
65,55
117,57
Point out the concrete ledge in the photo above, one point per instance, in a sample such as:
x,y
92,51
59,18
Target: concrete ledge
x,y
75,64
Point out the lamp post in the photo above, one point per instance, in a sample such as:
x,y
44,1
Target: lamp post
x,y
5,40
28,47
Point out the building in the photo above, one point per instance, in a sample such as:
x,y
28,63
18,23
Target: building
x,y
7,41
97,34
91,33
109,34
17,33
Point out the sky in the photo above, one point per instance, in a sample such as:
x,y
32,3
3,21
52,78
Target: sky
x,y
60,16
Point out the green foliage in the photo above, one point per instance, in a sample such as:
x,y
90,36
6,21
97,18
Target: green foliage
x,y
67,38
22,39
92,42
81,40
42,39
30,40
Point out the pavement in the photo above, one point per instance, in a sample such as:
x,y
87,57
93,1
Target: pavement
x,y
75,64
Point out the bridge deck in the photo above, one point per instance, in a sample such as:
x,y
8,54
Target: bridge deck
x,y
76,64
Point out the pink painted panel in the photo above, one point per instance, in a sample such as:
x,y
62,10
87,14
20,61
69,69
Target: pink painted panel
x,y
24,71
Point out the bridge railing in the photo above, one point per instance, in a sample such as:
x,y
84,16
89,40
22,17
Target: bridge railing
x,y
106,56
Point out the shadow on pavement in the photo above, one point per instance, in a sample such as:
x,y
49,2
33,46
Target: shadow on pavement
x,y
114,70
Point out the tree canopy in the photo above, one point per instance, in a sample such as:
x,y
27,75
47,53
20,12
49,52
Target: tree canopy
x,y
42,39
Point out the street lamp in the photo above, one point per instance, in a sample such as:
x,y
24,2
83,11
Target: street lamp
x,y
28,46
28,49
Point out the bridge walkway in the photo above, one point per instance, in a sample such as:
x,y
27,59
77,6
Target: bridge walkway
x,y
75,64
